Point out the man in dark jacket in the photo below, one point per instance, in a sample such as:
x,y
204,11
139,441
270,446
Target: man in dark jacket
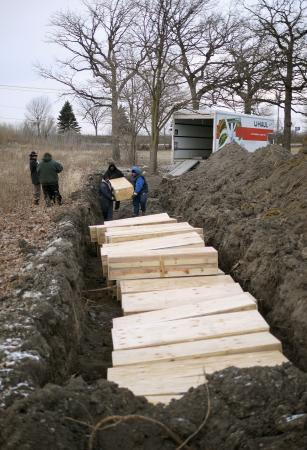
x,y
48,171
34,177
106,199
111,173
140,191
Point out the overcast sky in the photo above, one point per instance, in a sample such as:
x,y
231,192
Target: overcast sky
x,y
23,29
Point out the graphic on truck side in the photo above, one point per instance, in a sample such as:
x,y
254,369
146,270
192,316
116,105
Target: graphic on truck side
x,y
226,131
242,129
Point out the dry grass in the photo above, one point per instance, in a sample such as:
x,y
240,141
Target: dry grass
x,y
22,222
15,182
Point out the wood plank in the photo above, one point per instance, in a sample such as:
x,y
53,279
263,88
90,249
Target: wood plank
x,y
162,284
163,263
239,302
253,342
176,240
188,240
183,330
165,399
122,188
132,221
93,233
170,256
176,377
156,300
140,220
178,249
170,271
122,234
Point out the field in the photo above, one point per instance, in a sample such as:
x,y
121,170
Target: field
x,y
22,224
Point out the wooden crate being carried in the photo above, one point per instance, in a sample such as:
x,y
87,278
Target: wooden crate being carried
x,y
122,189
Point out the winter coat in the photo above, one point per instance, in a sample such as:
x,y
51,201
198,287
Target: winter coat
x,y
105,193
112,172
48,170
33,171
139,182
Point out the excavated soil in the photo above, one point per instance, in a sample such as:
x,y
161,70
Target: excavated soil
x,y
55,392
253,209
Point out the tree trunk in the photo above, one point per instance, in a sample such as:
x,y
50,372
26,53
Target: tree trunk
x,y
132,152
115,119
287,117
194,97
153,161
115,130
247,105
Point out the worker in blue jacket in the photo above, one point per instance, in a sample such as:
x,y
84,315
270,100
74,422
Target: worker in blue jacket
x,y
140,191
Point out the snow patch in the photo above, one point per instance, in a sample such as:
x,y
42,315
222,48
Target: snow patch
x,y
50,251
32,294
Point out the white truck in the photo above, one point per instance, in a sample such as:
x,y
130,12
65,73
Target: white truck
x,y
197,134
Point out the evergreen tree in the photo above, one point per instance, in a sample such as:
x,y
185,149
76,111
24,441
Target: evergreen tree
x,y
67,120
124,124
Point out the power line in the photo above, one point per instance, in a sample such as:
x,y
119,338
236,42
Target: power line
x,y
17,118
29,88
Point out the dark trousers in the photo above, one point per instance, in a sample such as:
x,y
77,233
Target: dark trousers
x,y
107,210
37,193
52,194
139,201
117,205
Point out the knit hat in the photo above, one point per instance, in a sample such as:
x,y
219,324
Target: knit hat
x,y
33,153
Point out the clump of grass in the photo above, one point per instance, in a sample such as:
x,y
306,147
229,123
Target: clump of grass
x,y
15,181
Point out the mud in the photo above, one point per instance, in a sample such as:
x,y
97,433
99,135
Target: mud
x,y
260,408
253,209
57,333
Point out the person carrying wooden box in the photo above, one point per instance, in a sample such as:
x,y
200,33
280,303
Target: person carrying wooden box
x,y
111,173
140,191
106,199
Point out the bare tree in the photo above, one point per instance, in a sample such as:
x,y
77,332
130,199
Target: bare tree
x,y
37,113
252,76
283,22
98,43
138,110
153,33
94,114
200,38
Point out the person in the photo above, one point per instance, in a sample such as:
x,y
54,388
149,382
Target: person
x,y
48,170
106,199
34,177
140,191
111,173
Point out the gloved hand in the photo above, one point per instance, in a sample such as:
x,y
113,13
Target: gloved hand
x,y
135,194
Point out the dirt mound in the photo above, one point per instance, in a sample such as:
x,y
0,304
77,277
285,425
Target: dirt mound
x,y
253,208
248,409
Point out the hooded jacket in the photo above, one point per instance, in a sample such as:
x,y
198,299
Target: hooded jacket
x,y
48,170
139,182
112,172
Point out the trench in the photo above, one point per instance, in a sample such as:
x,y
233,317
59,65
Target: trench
x,y
94,352
249,408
